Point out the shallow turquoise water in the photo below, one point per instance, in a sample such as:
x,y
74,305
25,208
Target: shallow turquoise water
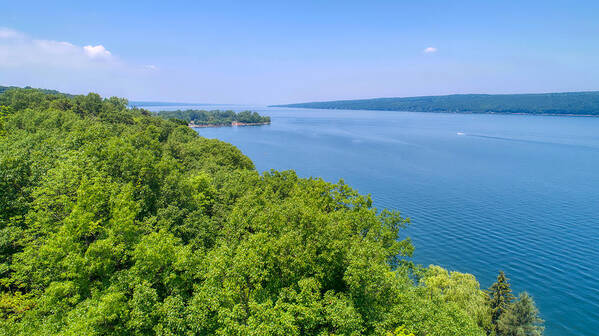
x,y
484,192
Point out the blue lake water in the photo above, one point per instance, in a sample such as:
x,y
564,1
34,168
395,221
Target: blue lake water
x,y
484,192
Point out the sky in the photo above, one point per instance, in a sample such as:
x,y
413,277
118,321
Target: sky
x,y
272,52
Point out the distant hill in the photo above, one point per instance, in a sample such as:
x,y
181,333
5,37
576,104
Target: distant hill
x,y
45,91
158,103
566,103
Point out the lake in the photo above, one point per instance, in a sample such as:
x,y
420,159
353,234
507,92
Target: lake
x,y
484,192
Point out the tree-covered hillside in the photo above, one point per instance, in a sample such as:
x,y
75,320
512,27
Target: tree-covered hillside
x,y
216,117
5,88
568,103
117,222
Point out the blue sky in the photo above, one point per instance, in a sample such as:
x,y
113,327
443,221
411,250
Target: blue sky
x,y
266,52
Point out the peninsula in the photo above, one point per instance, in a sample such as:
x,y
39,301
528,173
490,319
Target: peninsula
x,y
215,118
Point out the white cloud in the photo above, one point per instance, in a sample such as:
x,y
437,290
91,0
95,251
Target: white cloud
x,y
62,65
7,33
18,50
430,50
151,67
97,52
48,48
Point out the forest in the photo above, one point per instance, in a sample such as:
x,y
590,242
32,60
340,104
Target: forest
x,y
567,103
114,221
5,88
215,117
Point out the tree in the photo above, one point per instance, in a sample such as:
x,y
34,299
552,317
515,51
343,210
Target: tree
x,y
521,318
400,331
500,297
461,289
4,111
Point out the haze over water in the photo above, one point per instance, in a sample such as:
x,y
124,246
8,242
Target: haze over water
x,y
484,192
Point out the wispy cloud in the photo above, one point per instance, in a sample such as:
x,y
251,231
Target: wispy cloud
x,y
20,50
6,33
25,60
430,50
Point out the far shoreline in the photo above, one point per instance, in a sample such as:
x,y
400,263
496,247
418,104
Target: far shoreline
x,y
232,124
447,112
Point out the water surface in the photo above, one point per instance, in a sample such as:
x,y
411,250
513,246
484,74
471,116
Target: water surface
x,y
484,192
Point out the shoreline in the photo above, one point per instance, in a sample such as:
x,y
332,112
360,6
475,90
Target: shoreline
x,y
447,112
232,124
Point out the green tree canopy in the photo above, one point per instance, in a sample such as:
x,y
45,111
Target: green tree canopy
x,y
114,221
